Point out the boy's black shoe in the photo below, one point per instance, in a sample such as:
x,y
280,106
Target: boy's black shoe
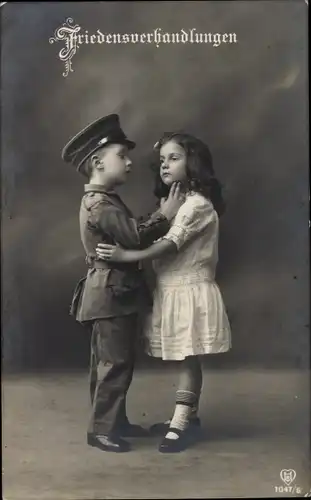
x,y
106,443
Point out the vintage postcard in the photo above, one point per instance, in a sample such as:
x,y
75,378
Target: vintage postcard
x,y
155,250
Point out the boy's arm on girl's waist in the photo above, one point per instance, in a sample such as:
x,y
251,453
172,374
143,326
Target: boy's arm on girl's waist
x,y
126,232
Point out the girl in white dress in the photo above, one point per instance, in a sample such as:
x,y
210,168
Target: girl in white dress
x,y
189,317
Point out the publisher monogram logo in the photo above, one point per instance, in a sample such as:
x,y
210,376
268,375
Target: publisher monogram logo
x,y
288,476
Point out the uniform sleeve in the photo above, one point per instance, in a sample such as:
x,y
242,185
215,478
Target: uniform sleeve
x,y
152,229
119,228
193,217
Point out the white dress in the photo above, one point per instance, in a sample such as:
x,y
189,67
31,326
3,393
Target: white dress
x,y
189,316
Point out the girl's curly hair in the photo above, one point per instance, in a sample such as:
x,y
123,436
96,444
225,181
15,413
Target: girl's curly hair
x,y
199,169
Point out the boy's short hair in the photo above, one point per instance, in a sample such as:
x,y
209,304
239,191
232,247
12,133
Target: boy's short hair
x,y
86,168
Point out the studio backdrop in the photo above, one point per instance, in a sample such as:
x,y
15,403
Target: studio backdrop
x,y
232,73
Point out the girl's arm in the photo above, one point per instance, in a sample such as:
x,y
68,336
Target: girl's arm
x,y
116,254
158,224
192,218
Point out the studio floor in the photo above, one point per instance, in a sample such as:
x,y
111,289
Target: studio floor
x,y
255,425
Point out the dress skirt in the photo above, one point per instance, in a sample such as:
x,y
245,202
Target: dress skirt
x,y
188,318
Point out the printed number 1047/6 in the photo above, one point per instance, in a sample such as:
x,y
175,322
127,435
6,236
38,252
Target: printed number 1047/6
x,y
287,489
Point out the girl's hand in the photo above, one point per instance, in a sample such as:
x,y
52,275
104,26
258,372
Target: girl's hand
x,y
174,201
162,201
110,252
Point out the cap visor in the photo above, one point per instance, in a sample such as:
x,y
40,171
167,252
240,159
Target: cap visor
x,y
130,144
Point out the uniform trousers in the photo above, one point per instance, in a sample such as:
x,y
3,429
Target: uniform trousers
x,y
113,347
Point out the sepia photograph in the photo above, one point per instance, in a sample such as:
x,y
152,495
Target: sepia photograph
x,y
155,250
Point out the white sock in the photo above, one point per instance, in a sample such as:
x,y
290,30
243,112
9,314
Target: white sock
x,y
180,420
193,414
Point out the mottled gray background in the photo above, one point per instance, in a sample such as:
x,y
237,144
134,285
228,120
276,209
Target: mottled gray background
x,y
248,101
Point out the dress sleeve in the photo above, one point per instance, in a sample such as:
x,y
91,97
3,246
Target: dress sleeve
x,y
193,217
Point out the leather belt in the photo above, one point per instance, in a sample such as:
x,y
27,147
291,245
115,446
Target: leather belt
x,y
102,264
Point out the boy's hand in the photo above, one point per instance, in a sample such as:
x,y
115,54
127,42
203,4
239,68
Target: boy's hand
x,y
110,252
174,201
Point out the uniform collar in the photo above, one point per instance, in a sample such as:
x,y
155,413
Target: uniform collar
x,y
114,198
97,188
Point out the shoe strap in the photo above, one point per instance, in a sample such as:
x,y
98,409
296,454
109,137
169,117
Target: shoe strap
x,y
177,431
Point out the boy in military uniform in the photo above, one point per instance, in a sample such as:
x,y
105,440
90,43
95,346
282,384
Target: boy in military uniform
x,y
109,298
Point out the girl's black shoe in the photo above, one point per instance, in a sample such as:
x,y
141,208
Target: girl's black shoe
x,y
162,427
175,445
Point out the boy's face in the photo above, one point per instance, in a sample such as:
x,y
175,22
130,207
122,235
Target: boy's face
x,y
173,162
115,163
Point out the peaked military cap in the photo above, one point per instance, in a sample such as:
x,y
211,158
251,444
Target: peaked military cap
x,y
105,130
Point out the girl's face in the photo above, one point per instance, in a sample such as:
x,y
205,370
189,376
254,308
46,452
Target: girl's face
x,y
173,161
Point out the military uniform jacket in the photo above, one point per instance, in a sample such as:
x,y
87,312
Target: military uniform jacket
x,y
111,289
